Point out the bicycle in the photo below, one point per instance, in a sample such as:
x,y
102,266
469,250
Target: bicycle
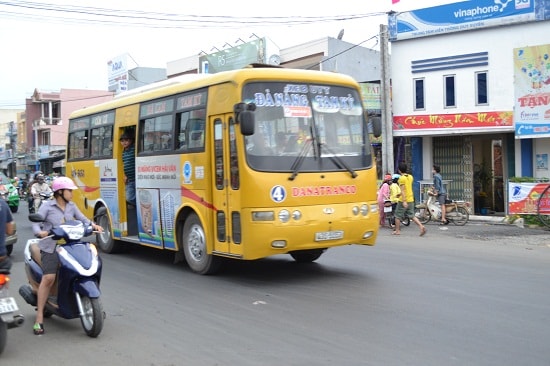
x,y
543,207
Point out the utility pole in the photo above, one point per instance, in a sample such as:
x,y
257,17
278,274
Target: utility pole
x,y
387,117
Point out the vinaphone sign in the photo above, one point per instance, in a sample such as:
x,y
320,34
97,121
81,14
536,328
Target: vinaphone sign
x,y
463,16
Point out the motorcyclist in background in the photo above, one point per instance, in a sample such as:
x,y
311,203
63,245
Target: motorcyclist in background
x,y
37,188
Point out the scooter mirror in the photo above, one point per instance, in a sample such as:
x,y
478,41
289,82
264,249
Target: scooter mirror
x,y
35,217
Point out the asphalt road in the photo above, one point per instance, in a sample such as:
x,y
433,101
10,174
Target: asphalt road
x,y
472,295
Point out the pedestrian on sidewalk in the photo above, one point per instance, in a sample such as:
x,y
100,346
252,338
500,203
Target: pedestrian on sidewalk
x,y
405,206
383,196
440,193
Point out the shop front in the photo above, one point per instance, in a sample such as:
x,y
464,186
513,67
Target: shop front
x,y
475,152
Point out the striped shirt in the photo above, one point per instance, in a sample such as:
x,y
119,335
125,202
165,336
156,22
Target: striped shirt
x,y
129,162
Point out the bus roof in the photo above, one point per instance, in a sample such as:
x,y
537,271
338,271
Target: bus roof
x,y
187,82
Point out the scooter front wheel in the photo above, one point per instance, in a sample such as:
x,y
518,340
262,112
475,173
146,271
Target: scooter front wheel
x,y
92,316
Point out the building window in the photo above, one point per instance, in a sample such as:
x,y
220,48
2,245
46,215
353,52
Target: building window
x,y
449,91
419,97
481,88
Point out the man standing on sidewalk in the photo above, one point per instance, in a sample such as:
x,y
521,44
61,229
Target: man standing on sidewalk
x,y
405,206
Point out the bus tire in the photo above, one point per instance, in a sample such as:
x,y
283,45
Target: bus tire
x,y
307,256
194,248
105,240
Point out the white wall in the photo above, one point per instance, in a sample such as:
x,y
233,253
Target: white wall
x,y
498,42
541,147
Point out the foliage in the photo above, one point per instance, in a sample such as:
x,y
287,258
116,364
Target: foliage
x,y
528,180
484,176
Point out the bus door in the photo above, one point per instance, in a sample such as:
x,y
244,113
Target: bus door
x,y
225,188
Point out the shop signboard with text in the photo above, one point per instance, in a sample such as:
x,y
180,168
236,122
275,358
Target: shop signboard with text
x,y
532,91
438,123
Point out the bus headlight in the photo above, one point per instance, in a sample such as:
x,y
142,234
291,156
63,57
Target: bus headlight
x,y
263,216
296,215
364,209
284,215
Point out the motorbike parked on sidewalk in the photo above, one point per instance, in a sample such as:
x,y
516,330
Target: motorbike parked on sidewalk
x,y
456,212
76,293
9,312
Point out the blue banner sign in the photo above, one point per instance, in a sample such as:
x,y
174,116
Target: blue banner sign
x,y
463,16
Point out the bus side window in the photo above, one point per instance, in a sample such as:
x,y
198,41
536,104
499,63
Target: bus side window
x,y
197,139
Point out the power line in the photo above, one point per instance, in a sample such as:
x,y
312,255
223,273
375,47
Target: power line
x,y
72,14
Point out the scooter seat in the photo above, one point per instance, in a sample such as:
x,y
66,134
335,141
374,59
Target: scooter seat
x,y
35,253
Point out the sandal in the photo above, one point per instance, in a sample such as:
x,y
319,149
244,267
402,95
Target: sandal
x,y
38,328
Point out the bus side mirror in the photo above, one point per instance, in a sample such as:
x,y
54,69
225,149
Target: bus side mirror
x,y
376,126
244,113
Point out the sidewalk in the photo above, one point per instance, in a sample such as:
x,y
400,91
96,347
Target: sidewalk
x,y
497,219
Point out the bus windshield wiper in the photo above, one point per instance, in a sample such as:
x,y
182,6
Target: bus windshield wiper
x,y
300,159
339,162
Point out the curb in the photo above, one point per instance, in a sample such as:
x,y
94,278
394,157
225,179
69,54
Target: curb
x,y
496,220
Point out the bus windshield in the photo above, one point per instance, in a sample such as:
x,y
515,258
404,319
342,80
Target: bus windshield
x,y
307,128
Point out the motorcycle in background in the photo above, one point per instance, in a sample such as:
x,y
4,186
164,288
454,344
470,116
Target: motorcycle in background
x,y
76,293
456,212
9,316
10,194
44,196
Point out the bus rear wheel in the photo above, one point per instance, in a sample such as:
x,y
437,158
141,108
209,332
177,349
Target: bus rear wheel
x,y
194,248
307,256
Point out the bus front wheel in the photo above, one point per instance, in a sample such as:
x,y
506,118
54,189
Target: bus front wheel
x,y
105,240
194,247
306,256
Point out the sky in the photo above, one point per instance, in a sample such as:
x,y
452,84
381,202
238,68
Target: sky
x,y
56,44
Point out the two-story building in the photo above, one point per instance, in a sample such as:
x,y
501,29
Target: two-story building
x,y
471,93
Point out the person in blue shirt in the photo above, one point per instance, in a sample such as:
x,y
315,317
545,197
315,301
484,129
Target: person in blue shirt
x,y
440,192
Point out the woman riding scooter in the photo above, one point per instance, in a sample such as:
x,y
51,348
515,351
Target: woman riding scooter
x,y
55,212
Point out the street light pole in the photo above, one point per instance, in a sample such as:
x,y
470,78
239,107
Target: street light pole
x,y
36,163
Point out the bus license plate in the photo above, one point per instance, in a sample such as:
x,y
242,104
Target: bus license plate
x,y
8,305
329,235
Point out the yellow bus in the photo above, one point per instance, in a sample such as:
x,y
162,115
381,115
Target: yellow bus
x,y
242,164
